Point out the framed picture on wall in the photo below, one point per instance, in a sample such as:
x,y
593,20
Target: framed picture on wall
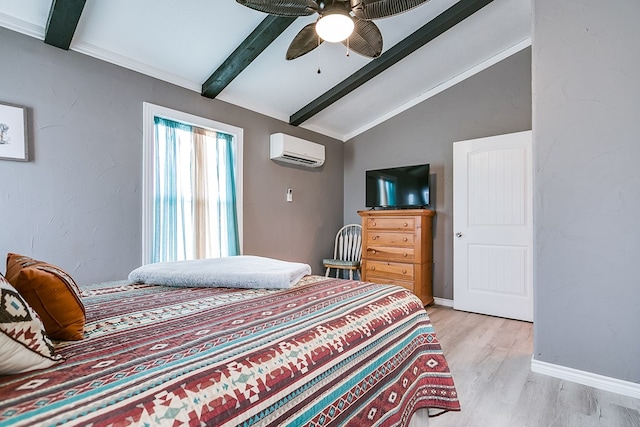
x,y
13,132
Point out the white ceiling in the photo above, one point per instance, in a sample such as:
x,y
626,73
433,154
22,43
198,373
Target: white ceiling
x,y
184,42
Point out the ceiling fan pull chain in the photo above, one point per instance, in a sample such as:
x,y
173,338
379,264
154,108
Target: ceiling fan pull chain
x,y
319,72
348,38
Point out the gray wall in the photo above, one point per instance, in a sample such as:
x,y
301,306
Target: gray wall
x,y
495,101
77,203
586,125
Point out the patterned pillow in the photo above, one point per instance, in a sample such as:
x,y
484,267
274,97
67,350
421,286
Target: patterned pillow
x,y
52,293
24,345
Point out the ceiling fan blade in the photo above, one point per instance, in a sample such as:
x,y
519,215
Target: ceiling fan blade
x,y
374,9
304,42
289,8
366,39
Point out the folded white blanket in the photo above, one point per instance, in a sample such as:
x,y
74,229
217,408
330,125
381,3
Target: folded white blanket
x,y
243,271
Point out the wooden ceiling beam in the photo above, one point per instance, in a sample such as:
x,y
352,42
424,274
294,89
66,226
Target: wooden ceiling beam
x,y
64,16
263,35
432,29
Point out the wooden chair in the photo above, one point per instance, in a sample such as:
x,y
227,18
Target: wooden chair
x,y
347,251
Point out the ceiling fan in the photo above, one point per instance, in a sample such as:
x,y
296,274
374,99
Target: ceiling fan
x,y
347,21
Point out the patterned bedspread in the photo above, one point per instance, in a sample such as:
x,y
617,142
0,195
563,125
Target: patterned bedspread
x,y
326,352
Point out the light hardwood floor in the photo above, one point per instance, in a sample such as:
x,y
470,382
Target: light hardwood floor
x,y
490,359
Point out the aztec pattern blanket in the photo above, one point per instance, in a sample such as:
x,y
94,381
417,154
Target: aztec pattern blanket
x,y
326,352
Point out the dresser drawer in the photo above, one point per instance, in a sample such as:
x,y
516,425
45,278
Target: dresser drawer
x,y
390,253
390,238
391,223
395,271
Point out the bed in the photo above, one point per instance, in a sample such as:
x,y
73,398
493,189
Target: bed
x,y
323,352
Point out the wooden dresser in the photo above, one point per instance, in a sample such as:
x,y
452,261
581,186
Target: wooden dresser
x,y
397,248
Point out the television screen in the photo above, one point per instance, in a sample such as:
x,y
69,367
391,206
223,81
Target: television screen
x,y
399,187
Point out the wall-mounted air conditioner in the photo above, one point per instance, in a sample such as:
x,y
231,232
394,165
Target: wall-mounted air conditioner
x,y
287,148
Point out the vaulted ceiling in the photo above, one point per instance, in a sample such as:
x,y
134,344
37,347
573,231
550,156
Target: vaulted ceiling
x,y
226,51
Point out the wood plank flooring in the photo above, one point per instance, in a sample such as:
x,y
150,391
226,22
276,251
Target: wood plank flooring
x,y
490,359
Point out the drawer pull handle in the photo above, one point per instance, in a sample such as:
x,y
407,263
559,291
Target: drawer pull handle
x,y
405,239
374,238
405,224
373,268
373,223
404,271
404,254
373,251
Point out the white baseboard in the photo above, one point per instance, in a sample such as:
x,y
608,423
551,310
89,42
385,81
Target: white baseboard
x,y
443,301
625,388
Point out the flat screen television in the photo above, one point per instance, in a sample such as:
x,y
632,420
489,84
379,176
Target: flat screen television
x,y
397,188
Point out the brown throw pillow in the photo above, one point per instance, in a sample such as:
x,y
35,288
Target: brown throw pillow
x,y
52,293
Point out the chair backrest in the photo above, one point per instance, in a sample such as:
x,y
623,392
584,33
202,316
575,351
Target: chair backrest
x,y
348,245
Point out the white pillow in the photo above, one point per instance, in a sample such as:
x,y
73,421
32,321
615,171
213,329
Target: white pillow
x,y
240,271
24,345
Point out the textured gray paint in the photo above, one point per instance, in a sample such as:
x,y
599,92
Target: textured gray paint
x,y
77,203
495,101
586,122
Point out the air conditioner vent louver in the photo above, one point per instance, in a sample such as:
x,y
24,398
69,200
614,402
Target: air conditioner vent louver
x,y
289,149
299,159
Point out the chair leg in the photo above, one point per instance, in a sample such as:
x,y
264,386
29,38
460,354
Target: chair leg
x,y
337,272
327,272
350,274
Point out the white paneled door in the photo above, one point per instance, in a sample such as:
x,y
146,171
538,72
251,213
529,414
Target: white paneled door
x,y
492,226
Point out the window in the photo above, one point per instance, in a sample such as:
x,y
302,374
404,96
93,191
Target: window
x,y
192,187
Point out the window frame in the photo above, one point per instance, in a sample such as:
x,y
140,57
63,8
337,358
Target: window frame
x,y
149,112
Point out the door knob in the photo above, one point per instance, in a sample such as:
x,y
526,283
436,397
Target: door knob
x,y
458,234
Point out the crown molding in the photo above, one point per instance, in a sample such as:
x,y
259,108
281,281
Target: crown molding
x,y
20,26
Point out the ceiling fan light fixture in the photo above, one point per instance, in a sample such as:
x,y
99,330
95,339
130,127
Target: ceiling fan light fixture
x,y
335,25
